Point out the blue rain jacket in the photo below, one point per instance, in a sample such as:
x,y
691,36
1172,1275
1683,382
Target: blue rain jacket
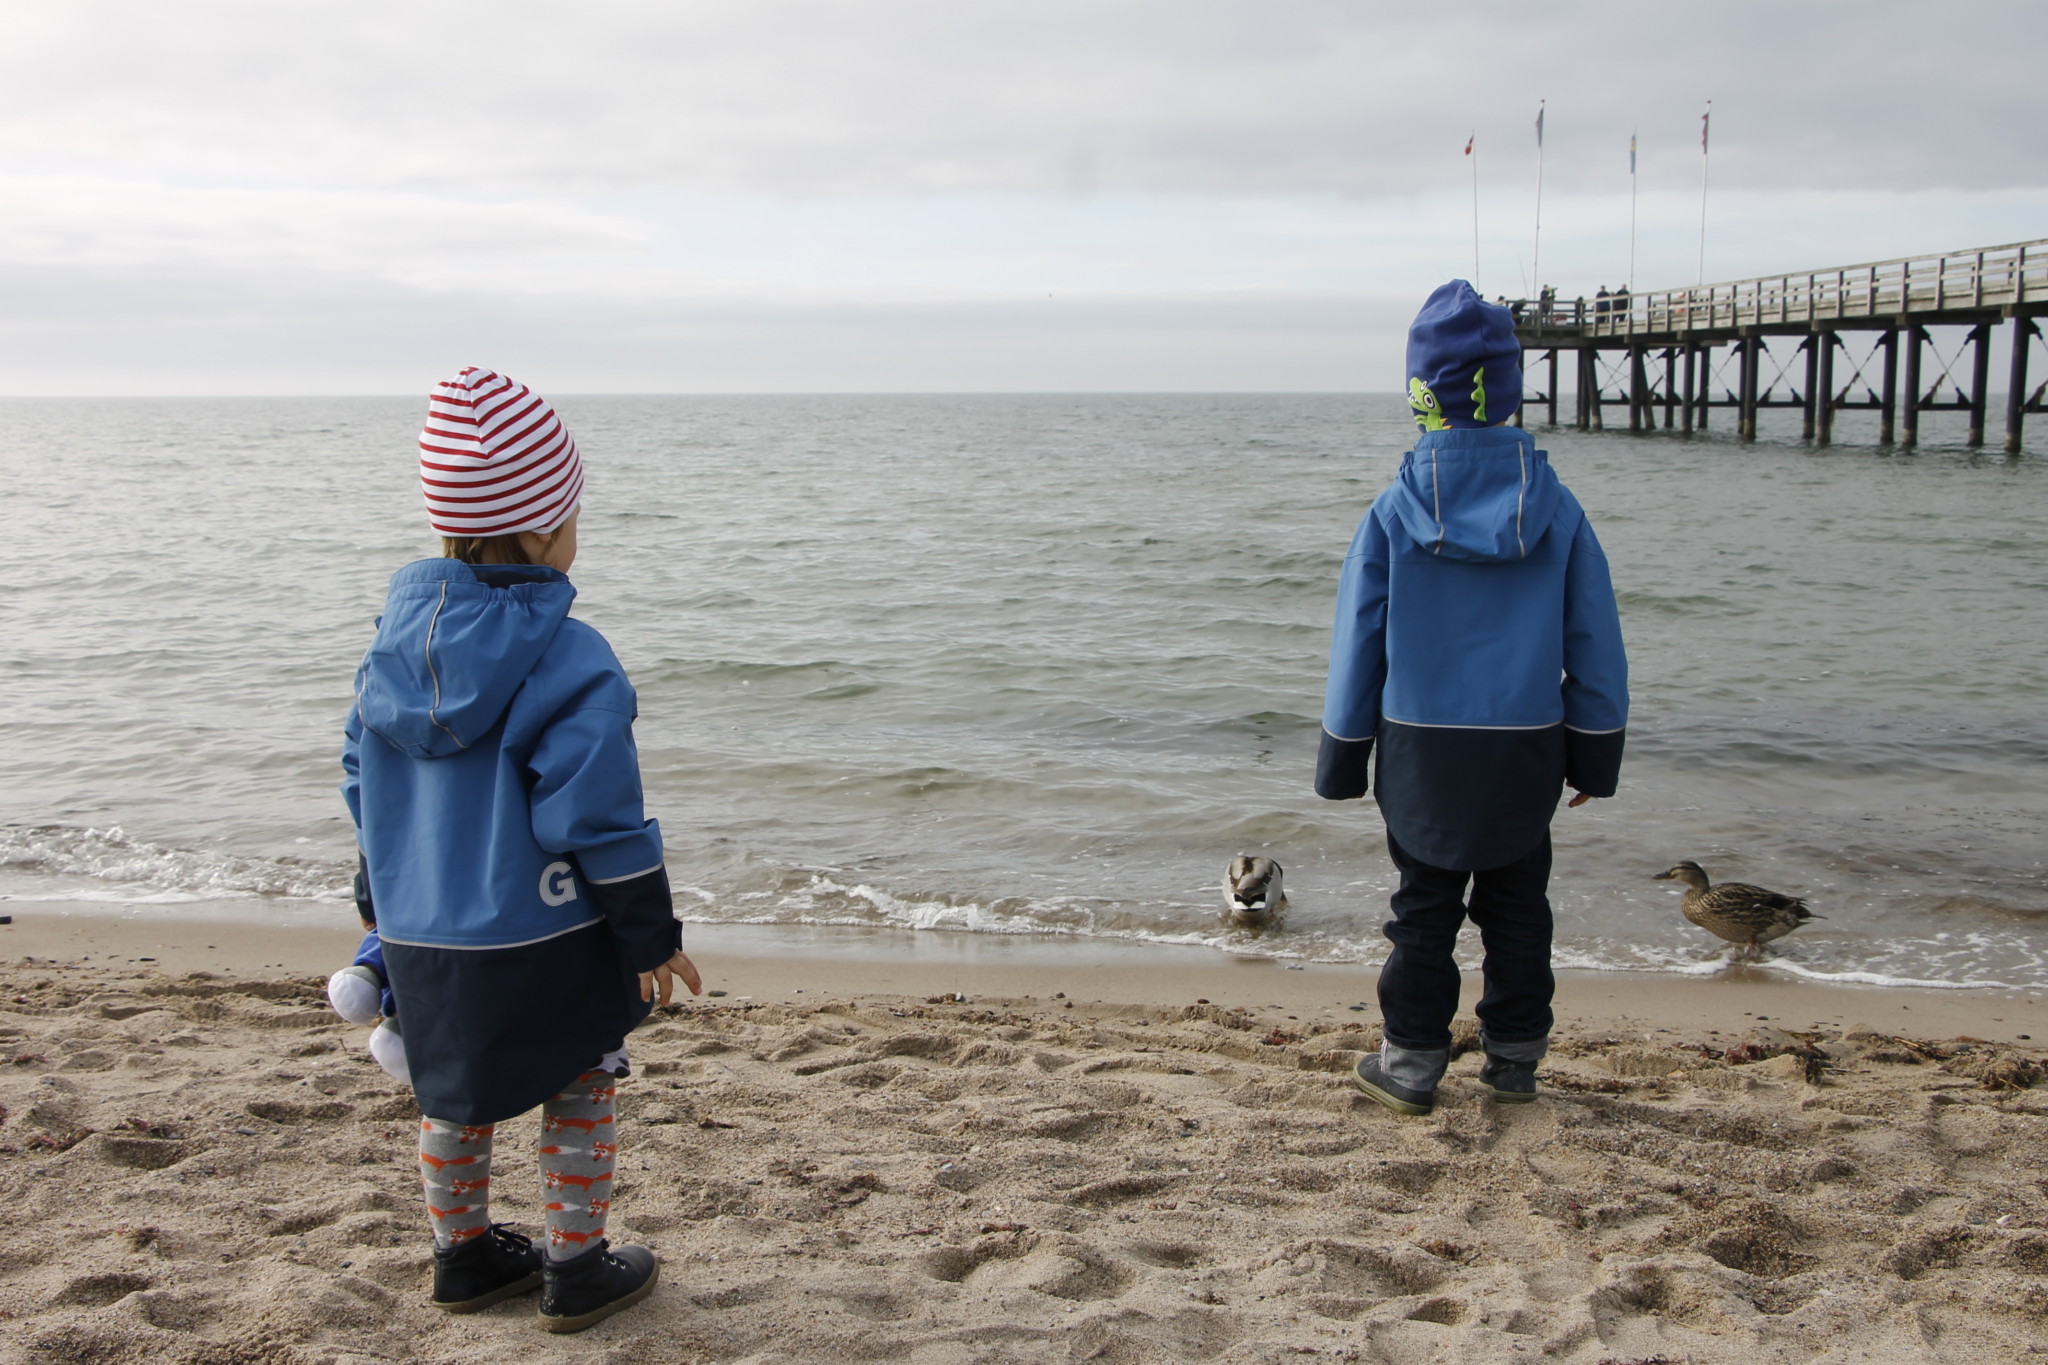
x,y
1477,640
507,863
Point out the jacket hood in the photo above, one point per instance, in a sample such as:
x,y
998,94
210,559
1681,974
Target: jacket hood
x,y
1485,495
455,643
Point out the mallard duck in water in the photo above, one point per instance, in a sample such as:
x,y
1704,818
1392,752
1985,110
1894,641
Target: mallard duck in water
x,y
1251,891
1737,911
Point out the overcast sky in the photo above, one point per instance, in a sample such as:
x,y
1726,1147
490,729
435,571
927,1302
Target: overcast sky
x,y
891,195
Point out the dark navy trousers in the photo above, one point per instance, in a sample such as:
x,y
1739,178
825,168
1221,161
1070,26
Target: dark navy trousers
x,y
1419,983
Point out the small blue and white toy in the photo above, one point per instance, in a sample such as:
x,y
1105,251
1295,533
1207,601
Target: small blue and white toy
x,y
360,994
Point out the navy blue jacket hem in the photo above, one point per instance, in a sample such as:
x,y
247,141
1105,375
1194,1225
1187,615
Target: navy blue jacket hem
x,y
1592,762
1343,767
1468,799
641,913
492,1032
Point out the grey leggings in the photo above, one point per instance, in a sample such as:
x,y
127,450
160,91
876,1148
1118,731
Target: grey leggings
x,y
578,1145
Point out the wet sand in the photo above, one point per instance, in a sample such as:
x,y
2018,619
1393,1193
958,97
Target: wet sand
x,y
1092,1155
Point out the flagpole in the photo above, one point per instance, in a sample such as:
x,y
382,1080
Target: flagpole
x,y
1632,214
1470,143
1705,123
1536,254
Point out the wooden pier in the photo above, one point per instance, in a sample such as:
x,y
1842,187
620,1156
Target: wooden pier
x,y
1659,349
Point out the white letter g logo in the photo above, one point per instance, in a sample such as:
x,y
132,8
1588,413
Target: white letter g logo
x,y
557,884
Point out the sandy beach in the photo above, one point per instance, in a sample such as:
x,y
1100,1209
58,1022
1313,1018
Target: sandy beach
x,y
867,1151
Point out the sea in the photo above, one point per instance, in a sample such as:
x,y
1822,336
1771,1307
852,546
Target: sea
x,y
1040,665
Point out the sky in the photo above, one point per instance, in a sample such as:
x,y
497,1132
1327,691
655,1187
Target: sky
x,y
223,197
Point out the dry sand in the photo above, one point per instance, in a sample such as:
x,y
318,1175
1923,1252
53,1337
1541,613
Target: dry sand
x,y
203,1165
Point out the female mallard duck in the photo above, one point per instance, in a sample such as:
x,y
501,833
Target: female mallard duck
x,y
1737,911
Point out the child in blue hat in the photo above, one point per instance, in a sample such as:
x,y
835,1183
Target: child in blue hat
x,y
1478,642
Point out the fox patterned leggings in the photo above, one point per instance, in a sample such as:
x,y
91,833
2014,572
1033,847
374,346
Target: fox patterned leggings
x,y
579,1142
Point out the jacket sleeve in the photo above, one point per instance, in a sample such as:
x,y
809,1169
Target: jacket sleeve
x,y
586,802
352,795
1595,671
1358,667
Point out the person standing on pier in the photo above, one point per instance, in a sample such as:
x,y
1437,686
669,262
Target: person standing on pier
x,y
1478,641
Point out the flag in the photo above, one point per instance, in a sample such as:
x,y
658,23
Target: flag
x,y
1631,153
1703,131
1539,124
1468,144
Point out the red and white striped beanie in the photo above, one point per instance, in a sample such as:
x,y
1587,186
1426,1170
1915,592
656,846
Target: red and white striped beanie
x,y
494,458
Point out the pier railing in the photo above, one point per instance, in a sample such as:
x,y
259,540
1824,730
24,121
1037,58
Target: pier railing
x,y
1994,278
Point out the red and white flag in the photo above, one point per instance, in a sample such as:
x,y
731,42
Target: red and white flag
x,y
1468,144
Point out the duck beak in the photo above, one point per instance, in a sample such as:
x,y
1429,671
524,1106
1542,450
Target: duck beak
x,y
1660,877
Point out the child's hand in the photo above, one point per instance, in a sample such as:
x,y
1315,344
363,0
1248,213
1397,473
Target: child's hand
x,y
1578,799
666,974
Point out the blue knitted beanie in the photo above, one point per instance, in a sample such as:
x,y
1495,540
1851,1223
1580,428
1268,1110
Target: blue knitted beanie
x,y
1464,364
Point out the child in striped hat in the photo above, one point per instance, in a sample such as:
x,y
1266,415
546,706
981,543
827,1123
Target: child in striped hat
x,y
507,865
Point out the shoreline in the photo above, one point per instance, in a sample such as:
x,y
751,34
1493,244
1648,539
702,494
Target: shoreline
x,y
785,964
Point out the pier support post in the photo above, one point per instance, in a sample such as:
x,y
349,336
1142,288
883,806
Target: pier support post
x,y
1670,383
1551,389
1824,391
1706,381
1909,416
2023,331
1812,413
1980,378
1598,398
1581,358
1638,398
1752,347
1888,404
1692,356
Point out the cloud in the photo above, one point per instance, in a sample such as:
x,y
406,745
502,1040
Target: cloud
x,y
225,196
102,221
934,97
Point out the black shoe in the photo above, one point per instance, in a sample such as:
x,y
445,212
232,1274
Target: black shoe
x,y
1508,1082
1371,1077
484,1270
592,1285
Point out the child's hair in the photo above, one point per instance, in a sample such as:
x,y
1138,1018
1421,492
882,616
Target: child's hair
x,y
504,549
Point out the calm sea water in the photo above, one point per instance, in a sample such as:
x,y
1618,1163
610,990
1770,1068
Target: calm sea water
x,y
1041,665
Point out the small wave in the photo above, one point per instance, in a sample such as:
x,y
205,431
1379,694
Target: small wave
x,y
1682,605
1860,978
1973,961
817,898
824,901
1581,960
130,871
142,872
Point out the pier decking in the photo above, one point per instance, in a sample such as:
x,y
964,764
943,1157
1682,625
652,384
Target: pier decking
x,y
1662,345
